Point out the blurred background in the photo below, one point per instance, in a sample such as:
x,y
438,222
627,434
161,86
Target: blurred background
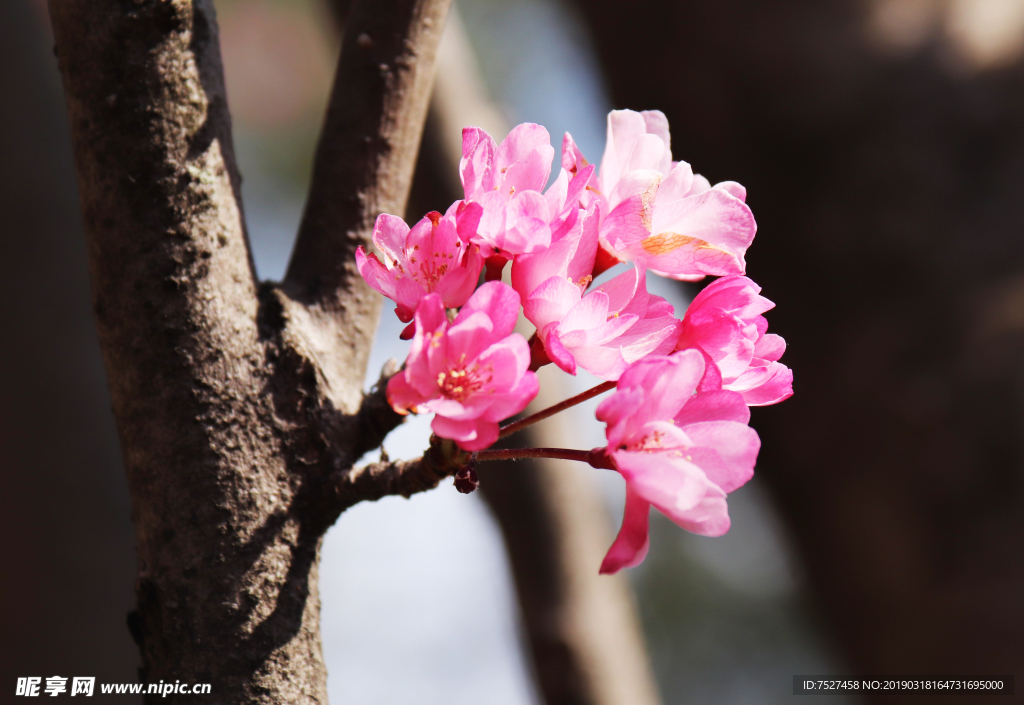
x,y
882,143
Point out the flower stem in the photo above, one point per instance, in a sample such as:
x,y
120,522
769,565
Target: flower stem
x,y
552,410
597,458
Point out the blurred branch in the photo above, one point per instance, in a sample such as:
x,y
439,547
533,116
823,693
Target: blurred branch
x,y
912,543
581,628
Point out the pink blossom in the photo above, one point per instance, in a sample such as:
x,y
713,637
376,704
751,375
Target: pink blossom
x,y
471,373
507,180
724,321
435,256
678,448
659,213
570,255
605,331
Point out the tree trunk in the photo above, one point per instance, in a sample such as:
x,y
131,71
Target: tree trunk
x,y
239,406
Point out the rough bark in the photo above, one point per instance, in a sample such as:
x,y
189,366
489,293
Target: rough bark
x,y
238,406
363,167
887,190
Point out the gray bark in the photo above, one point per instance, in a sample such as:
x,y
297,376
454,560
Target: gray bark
x,y
239,406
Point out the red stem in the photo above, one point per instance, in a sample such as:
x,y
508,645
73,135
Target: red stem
x,y
597,458
552,410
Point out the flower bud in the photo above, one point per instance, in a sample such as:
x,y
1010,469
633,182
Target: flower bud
x,y
466,479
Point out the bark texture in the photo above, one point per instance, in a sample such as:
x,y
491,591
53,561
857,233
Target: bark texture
x,y
887,190
363,167
239,407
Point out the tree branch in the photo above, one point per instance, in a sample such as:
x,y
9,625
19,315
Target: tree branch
x,y
406,478
363,167
376,419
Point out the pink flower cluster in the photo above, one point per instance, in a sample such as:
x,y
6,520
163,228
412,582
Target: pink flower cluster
x,y
677,424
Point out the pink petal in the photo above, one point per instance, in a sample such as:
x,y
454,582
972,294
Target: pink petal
x,y
578,185
647,153
473,434
778,387
675,185
501,304
581,264
606,334
460,282
557,192
624,128
632,201
621,290
700,184
490,231
450,409
419,240
718,405
725,450
430,315
470,334
651,336
770,347
475,167
526,224
570,255
630,547
591,312
467,216
551,301
408,294
375,273
712,380
529,173
557,352
668,382
507,361
656,123
515,399
737,295
734,188
520,142
724,341
604,362
703,234
572,158
709,517
666,480
530,271
402,396
389,235
617,410
629,223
